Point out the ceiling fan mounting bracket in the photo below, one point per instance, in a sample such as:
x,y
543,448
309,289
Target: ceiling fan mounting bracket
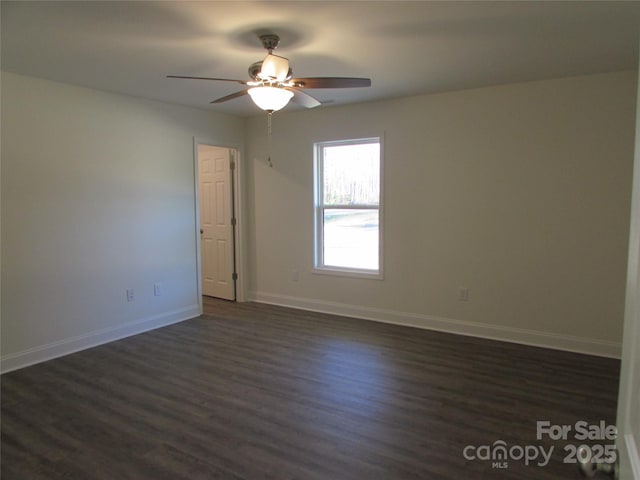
x,y
270,41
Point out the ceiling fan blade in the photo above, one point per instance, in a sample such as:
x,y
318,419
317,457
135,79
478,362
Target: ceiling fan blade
x,y
230,97
331,82
304,99
209,78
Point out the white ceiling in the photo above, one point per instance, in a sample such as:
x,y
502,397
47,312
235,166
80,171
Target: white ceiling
x,y
406,48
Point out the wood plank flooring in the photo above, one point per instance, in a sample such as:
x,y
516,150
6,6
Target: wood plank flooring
x,y
251,392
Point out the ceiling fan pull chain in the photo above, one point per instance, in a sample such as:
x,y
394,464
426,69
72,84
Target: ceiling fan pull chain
x,y
269,114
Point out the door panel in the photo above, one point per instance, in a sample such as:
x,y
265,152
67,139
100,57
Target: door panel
x,y
217,249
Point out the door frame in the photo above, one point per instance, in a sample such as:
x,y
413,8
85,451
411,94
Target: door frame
x,y
236,200
628,443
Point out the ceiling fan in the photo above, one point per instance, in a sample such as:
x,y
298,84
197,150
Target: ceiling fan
x,y
272,84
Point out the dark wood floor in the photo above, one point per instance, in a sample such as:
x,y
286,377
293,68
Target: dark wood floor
x,y
253,392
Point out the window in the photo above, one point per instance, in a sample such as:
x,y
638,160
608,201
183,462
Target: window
x,y
347,207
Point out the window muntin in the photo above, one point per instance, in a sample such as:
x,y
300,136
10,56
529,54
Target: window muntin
x,y
348,197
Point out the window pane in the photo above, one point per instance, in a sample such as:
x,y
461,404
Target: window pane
x,y
351,238
351,174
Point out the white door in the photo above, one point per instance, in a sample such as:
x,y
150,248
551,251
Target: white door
x,y
216,229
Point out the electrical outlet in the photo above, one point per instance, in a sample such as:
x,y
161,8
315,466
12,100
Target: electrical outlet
x,y
157,289
463,294
131,295
295,276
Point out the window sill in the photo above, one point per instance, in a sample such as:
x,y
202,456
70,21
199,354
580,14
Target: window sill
x,y
347,272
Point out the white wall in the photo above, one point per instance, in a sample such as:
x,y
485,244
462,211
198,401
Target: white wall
x,y
97,197
520,193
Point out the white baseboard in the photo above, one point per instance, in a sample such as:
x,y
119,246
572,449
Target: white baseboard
x,y
535,338
50,351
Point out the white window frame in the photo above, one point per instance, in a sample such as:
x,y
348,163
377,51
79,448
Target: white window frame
x,y
319,208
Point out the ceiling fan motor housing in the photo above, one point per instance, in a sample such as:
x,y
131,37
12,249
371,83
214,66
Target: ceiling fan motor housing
x,y
254,70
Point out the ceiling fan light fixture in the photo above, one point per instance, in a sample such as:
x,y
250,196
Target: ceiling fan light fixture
x,y
274,68
272,84
270,99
